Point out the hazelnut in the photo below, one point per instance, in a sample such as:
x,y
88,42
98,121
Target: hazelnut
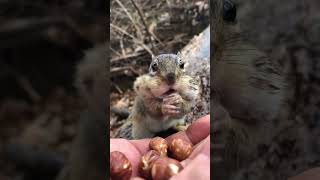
x,y
120,166
146,163
159,144
180,149
164,168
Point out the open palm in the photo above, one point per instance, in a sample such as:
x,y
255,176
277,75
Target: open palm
x,y
198,133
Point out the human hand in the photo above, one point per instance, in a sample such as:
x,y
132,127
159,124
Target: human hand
x,y
310,174
196,166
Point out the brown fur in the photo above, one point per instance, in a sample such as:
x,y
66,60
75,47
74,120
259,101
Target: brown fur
x,y
88,158
249,89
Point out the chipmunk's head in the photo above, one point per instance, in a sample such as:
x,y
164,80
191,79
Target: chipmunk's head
x,y
169,67
224,16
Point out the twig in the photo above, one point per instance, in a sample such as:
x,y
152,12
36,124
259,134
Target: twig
x,y
115,51
130,17
151,28
122,47
23,82
126,57
132,37
26,85
117,69
134,71
117,88
144,22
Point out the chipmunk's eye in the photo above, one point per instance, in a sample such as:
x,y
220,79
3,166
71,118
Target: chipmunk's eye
x,y
181,65
154,67
229,11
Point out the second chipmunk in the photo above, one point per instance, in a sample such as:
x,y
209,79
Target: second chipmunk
x,y
164,96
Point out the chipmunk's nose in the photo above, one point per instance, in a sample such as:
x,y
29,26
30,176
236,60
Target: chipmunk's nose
x,y
171,78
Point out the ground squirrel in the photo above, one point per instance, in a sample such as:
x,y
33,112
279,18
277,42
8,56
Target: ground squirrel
x,y
164,96
248,93
88,156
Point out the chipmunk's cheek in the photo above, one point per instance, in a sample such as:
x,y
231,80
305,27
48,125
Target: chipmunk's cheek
x,y
177,86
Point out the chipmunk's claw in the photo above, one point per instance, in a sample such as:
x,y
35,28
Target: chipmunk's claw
x,y
170,109
172,99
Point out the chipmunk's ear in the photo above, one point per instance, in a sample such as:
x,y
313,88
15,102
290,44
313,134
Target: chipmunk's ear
x,y
153,57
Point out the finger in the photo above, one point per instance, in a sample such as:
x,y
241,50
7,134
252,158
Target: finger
x,y
196,132
199,169
201,148
168,98
141,145
171,100
199,130
171,107
172,95
173,112
175,103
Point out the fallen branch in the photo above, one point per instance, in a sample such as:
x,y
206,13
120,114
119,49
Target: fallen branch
x,y
143,22
119,29
130,17
119,69
117,88
126,57
27,87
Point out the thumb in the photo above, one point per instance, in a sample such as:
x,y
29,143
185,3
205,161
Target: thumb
x,y
198,168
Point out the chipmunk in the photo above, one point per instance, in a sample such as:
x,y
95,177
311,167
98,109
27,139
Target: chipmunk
x,y
248,90
88,155
164,96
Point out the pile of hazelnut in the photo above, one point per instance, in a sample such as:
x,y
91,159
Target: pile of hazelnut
x,y
161,162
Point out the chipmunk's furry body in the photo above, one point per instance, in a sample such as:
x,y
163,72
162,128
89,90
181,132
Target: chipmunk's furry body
x,y
249,92
88,156
164,96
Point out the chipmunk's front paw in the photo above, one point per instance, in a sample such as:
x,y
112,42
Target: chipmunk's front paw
x,y
168,109
173,99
